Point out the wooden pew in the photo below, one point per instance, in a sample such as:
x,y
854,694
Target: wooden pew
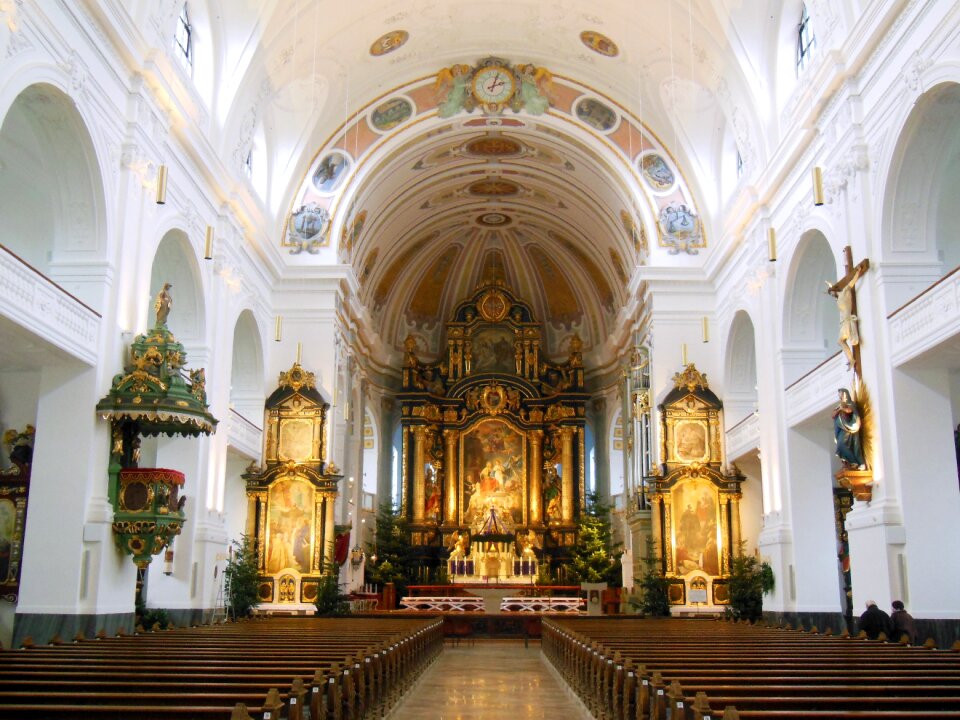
x,y
628,669
343,668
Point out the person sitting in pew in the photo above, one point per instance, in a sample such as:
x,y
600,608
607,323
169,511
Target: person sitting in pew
x,y
874,621
901,623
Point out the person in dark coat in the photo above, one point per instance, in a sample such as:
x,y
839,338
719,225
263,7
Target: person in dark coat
x,y
902,624
874,621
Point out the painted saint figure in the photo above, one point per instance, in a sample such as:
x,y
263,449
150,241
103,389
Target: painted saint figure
x,y
846,432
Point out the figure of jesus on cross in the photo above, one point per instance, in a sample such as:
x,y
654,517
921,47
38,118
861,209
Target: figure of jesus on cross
x,y
845,291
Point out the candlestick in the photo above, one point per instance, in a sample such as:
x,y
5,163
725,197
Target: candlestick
x,y
705,328
208,245
278,330
772,245
683,354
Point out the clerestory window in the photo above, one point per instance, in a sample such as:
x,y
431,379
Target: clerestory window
x,y
183,39
806,40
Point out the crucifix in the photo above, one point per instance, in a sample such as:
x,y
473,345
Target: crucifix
x,y
845,291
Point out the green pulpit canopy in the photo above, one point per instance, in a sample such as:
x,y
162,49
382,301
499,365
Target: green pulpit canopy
x,y
155,394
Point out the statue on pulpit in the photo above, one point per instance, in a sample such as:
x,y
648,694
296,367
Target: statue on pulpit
x,y
163,303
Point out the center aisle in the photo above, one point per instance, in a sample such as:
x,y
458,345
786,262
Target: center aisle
x,y
491,680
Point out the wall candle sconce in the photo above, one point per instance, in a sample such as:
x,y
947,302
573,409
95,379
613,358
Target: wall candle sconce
x,y
705,329
818,186
208,245
772,245
162,185
278,329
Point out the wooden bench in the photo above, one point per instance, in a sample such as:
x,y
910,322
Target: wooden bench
x,y
342,668
642,668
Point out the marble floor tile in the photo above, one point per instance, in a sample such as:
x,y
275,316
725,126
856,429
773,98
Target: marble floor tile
x,y
490,680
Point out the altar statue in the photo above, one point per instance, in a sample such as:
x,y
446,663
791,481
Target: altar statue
x,y
846,432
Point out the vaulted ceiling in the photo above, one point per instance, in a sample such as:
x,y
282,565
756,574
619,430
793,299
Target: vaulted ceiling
x,y
557,203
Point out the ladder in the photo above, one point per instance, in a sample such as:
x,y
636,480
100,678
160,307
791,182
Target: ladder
x,y
222,610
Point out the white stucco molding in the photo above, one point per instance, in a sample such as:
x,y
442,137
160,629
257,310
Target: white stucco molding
x,y
926,321
817,390
42,307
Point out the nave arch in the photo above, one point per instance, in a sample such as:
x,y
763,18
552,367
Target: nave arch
x,y
810,315
51,188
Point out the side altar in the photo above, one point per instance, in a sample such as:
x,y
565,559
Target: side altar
x,y
493,444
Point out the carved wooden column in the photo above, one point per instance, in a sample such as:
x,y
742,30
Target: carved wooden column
x,y
566,435
535,471
328,535
251,526
450,486
419,452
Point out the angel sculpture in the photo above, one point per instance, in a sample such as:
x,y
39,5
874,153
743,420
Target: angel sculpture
x,y
535,86
451,88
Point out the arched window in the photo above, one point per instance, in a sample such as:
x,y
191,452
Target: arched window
x,y
806,40
183,40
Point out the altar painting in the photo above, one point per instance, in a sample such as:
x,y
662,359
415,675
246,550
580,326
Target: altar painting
x,y
493,350
493,472
696,527
290,525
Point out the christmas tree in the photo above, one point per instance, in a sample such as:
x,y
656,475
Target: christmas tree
x,y
594,558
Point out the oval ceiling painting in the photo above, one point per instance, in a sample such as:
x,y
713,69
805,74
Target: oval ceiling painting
x,y
387,115
597,115
493,219
330,172
656,172
389,42
599,43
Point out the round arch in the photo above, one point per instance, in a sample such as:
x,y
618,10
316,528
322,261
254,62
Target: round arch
x,y
810,315
52,197
741,368
175,262
921,218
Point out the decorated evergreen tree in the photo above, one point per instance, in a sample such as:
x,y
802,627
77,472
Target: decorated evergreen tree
x,y
391,547
594,558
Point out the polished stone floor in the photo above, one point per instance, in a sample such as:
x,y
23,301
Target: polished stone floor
x,y
490,680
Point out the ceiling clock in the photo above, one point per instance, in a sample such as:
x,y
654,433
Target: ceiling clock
x,y
493,85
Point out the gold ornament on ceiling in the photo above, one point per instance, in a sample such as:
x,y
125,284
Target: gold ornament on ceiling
x,y
493,146
493,187
599,43
389,42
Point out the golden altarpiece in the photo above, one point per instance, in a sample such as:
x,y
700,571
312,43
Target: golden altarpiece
x,y
695,498
290,501
493,444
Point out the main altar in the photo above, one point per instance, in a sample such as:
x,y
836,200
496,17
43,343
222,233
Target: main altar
x,y
493,444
